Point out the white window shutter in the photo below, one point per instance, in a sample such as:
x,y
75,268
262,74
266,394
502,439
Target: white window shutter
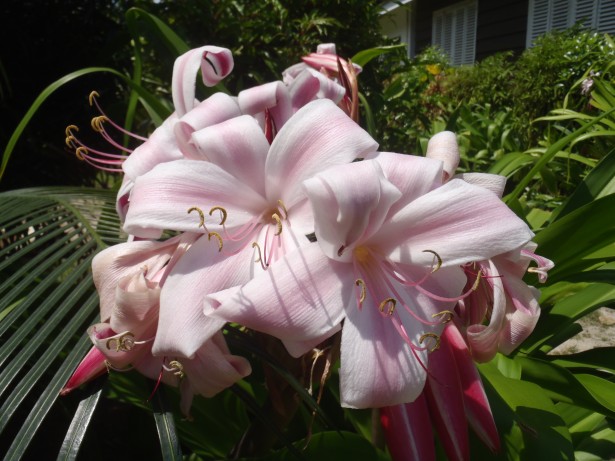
x,y
454,30
546,15
605,22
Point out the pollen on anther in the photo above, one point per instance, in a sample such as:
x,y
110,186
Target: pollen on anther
x,y
433,336
439,260
361,283
222,211
201,215
391,302
278,222
178,369
447,316
93,94
218,237
477,281
80,151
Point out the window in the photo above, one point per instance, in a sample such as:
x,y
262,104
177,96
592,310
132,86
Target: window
x,y
546,15
454,30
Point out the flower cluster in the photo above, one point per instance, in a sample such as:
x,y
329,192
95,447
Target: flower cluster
x,y
287,220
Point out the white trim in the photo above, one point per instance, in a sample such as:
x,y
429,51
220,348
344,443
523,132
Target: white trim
x,y
391,6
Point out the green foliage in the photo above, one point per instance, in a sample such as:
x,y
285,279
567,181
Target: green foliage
x,y
545,405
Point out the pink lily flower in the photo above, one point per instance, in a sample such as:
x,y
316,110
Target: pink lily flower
x,y
391,240
334,72
454,398
502,310
248,202
123,340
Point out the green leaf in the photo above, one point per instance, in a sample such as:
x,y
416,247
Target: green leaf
x,y
81,420
365,56
575,236
169,442
600,358
598,183
560,384
550,153
526,418
149,98
139,21
49,238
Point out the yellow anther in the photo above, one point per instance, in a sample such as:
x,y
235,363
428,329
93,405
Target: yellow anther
x,y
70,128
433,336
439,264
201,215
93,94
283,207
111,367
79,152
477,281
123,343
178,369
447,316
222,213
71,141
97,123
278,222
391,302
258,248
219,237
361,283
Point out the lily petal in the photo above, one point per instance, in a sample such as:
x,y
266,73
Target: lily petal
x,y
182,326
493,182
215,64
273,96
160,147
299,298
408,432
116,262
215,109
443,146
445,399
238,146
378,368
161,198
460,222
318,136
91,367
475,400
350,202
414,176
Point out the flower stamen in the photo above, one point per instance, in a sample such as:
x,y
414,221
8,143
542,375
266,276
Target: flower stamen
x,y
433,336
264,265
391,302
439,259
123,343
177,369
283,207
201,215
219,237
360,283
223,213
446,316
278,223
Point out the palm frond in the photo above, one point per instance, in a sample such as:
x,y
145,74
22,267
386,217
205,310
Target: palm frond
x,y
48,237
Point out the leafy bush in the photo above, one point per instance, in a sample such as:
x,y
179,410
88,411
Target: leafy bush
x,y
537,81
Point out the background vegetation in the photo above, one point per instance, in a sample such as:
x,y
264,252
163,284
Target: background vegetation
x,y
545,121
